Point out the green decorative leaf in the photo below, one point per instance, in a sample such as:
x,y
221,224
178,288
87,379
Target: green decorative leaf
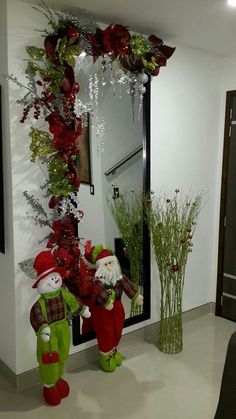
x,y
70,60
35,53
74,50
62,48
70,54
32,68
41,144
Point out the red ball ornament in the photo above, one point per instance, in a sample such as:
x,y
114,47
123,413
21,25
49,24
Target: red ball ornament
x,y
76,87
71,177
73,33
168,201
53,202
175,268
71,98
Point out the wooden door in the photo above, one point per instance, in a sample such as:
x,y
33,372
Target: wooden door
x,y
226,289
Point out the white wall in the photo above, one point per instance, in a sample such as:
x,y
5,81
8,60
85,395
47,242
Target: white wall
x,y
186,101
7,294
186,145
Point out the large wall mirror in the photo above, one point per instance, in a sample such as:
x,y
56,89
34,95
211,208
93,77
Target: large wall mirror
x,y
120,168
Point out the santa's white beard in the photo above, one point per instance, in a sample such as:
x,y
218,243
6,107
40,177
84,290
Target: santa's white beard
x,y
109,277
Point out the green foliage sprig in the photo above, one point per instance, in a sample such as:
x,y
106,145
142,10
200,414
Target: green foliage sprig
x,y
172,222
127,211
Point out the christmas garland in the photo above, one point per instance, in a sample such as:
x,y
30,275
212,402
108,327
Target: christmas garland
x,y
51,94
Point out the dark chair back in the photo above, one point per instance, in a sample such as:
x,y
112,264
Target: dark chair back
x,y
227,401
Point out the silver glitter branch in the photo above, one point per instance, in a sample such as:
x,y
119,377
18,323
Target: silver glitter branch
x,y
40,216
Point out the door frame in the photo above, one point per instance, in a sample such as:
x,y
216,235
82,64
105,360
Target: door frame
x,y
229,95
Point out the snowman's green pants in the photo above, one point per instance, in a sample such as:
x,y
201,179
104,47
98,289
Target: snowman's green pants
x,y
59,342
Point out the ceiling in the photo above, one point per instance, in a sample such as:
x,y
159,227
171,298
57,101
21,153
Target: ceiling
x,y
206,24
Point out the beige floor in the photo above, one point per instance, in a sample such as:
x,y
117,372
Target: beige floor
x,y
149,385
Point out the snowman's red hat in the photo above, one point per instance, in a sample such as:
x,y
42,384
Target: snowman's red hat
x,y
44,265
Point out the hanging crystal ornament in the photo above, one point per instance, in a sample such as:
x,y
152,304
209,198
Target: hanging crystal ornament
x,y
104,74
100,134
84,119
103,69
142,79
83,63
70,206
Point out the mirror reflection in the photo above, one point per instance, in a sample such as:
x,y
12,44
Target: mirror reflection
x,y
112,183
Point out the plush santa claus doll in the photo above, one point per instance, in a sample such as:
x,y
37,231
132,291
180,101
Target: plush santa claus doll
x,y
48,317
107,309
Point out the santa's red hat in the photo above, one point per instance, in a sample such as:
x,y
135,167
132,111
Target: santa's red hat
x,y
97,255
44,265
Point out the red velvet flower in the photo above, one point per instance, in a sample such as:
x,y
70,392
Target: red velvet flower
x,y
56,235
157,42
64,137
116,40
63,257
131,63
69,229
160,48
64,232
73,175
161,53
96,43
50,44
54,201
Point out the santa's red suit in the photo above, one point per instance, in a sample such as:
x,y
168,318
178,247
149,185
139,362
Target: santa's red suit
x,y
108,324
107,310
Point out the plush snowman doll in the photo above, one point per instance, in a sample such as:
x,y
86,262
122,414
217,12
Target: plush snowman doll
x,y
48,317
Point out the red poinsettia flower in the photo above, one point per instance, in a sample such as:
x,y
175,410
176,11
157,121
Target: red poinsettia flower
x,y
56,235
69,229
64,232
64,138
131,63
116,40
54,201
157,42
160,48
63,257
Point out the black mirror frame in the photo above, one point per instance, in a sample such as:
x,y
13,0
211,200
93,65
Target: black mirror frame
x,y
77,338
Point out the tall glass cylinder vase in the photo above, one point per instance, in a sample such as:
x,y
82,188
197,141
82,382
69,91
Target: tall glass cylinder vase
x,y
171,327
172,222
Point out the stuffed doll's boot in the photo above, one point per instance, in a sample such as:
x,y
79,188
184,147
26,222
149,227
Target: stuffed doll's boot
x,y
51,395
117,357
107,362
63,388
